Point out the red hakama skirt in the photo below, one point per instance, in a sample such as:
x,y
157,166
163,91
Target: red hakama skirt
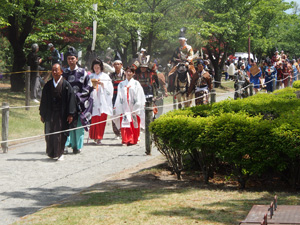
x,y
130,135
97,131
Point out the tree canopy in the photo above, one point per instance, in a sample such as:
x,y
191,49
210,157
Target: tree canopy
x,y
218,27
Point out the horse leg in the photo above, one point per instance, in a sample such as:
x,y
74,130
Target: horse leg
x,y
184,99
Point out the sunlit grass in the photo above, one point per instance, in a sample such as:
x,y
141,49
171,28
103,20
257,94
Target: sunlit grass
x,y
22,123
158,206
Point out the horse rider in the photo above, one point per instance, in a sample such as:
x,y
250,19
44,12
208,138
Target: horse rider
x,y
184,53
241,83
201,83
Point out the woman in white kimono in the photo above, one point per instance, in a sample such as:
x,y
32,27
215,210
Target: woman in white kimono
x,y
102,95
130,105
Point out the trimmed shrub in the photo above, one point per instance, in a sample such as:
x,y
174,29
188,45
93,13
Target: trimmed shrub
x,y
296,84
251,135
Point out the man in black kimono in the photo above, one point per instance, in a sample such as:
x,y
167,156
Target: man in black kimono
x,y
57,109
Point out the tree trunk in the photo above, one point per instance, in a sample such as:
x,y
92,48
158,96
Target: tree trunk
x,y
17,34
133,47
218,76
17,79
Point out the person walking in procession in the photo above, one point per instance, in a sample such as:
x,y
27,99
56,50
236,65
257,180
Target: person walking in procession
x,y
130,105
117,77
201,84
82,87
102,98
57,110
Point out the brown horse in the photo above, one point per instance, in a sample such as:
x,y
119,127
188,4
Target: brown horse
x,y
181,83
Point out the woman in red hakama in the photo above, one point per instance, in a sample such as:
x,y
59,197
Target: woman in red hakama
x,y
102,96
130,103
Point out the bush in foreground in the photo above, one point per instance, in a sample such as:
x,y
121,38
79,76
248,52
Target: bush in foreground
x,y
252,136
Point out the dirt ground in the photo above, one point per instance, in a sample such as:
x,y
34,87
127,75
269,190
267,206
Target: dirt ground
x,y
4,86
155,174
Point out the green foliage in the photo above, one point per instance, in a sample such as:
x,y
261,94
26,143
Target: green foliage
x,y
5,55
296,84
252,135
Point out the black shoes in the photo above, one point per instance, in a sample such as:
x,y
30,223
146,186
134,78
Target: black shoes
x,y
76,151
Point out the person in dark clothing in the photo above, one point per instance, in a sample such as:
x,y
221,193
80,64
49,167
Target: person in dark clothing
x,y
55,56
33,60
117,77
57,109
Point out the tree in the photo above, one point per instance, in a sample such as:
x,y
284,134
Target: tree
x,y
223,26
28,19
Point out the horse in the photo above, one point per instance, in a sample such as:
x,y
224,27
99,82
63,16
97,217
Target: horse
x,y
181,82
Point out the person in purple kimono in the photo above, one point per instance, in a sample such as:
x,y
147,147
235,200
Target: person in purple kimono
x,y
82,87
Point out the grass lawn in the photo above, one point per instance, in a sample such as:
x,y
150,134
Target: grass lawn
x,y
151,198
22,123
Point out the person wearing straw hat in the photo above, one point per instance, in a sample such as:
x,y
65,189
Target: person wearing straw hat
x,y
102,98
130,105
82,87
57,110
117,77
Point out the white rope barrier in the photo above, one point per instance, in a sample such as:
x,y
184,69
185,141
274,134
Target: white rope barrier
x,y
58,132
116,117
19,107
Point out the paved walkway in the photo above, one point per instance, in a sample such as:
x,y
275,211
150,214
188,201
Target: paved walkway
x,y
29,180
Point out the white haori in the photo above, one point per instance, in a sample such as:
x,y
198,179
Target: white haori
x,y
102,95
130,102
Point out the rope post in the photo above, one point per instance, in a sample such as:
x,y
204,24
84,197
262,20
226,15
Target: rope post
x,y
148,139
251,89
288,81
273,84
213,96
5,117
27,87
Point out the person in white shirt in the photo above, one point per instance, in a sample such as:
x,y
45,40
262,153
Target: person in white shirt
x,y
231,70
130,105
102,96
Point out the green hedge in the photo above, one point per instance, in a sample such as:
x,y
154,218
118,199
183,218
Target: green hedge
x,y
296,84
251,135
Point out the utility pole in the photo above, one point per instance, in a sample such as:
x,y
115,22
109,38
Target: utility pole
x,y
249,61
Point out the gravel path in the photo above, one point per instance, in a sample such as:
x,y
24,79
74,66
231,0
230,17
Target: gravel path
x,y
29,180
